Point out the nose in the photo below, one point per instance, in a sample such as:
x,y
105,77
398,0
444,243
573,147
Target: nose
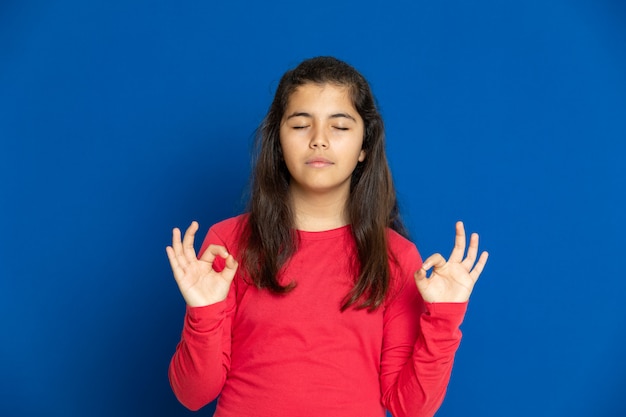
x,y
319,139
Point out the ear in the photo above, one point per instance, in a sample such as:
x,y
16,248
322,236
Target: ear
x,y
362,155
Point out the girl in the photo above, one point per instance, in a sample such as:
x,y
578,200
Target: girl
x,y
314,303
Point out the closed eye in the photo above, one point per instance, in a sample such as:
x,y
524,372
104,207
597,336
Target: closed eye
x,y
341,128
299,127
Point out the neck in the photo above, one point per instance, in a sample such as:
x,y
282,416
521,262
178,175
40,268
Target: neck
x,y
319,212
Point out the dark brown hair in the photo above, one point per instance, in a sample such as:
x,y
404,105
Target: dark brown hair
x,y
269,238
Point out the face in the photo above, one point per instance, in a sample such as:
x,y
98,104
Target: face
x,y
321,136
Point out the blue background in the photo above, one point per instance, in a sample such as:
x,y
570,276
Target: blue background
x,y
120,120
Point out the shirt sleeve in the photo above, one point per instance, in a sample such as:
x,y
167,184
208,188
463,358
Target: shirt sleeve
x,y
199,366
419,343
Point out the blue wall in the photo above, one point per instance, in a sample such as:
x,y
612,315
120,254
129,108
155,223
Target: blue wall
x,y
120,120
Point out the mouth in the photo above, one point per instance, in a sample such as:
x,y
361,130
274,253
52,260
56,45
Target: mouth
x,y
319,162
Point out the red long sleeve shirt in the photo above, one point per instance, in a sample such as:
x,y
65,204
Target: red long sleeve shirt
x,y
299,355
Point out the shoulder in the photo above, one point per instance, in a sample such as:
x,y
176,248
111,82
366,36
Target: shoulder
x,y
404,260
226,233
230,226
400,247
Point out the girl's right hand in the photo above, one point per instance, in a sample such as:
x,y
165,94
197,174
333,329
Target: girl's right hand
x,y
198,282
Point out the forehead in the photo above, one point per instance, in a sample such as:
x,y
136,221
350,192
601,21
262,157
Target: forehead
x,y
321,95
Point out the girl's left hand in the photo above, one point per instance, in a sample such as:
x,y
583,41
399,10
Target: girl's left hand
x,y
452,281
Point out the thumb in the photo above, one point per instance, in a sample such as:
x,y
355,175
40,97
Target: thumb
x,y
435,261
421,280
420,274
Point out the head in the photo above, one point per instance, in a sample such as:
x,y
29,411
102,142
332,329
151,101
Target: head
x,y
323,70
371,208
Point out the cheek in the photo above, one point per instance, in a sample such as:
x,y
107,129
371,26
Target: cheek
x,y
287,153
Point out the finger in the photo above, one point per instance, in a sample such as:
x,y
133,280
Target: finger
x,y
188,249
228,273
213,251
480,265
420,280
459,243
435,261
420,274
176,268
171,256
472,251
177,246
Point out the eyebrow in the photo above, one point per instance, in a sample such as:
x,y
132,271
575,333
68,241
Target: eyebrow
x,y
332,116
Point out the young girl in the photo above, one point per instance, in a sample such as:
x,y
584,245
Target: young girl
x,y
314,303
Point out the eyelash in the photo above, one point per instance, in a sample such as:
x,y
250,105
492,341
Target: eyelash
x,y
336,127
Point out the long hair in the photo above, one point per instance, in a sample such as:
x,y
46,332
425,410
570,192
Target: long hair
x,y
269,238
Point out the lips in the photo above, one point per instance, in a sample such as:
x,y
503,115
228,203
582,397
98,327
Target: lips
x,y
319,162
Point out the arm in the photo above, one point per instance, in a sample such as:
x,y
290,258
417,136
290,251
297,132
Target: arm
x,y
201,362
419,344
421,337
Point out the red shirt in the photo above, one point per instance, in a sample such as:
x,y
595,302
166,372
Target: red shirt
x,y
299,355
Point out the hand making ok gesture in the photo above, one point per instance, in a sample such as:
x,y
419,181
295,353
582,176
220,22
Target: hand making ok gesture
x,y
198,282
452,281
